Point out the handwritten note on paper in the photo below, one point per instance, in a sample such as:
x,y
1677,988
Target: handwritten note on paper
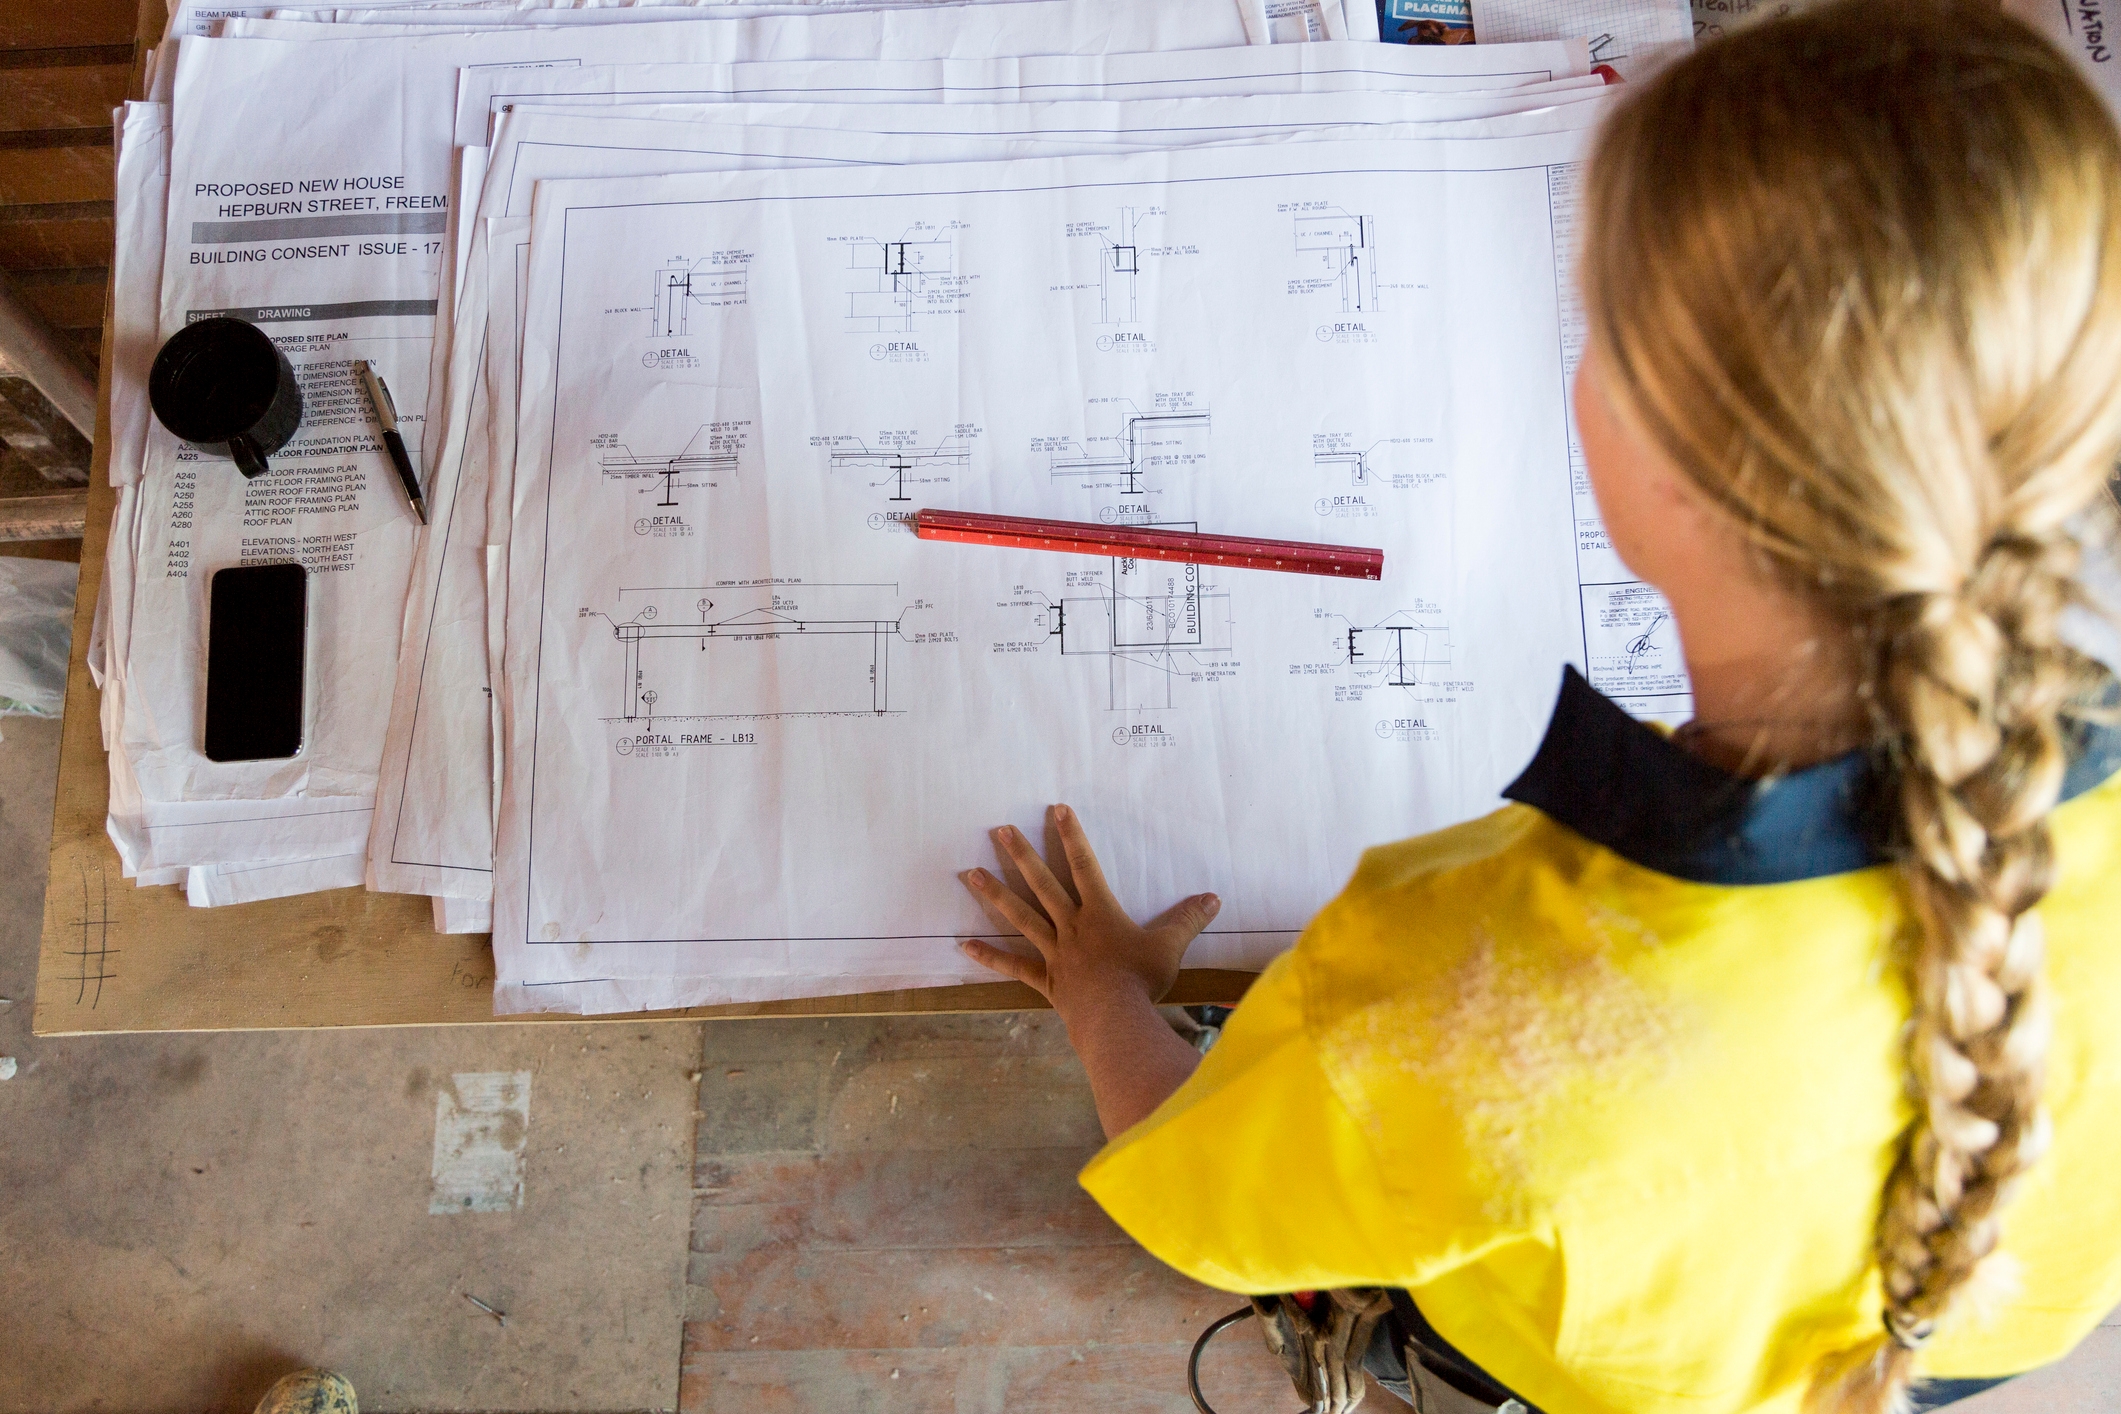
x,y
2079,28
1632,36
1713,19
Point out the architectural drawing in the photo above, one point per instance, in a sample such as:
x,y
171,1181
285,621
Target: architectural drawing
x,y
893,280
691,720
1119,264
1118,270
694,653
1402,651
1155,625
1409,649
1355,463
625,465
1387,463
681,287
892,469
1340,251
1138,458
701,464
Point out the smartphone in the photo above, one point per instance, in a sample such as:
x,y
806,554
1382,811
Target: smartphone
x,y
256,624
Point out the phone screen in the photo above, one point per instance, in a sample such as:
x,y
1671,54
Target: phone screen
x,y
256,624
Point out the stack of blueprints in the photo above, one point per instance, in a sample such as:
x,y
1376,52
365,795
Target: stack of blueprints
x,y
702,305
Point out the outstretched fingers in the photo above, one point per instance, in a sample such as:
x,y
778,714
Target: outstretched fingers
x,y
1016,967
1007,908
1050,893
1088,874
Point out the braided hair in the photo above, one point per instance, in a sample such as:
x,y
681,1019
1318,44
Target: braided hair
x,y
1858,273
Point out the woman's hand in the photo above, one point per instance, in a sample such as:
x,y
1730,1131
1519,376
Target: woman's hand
x,y
1103,972
1088,948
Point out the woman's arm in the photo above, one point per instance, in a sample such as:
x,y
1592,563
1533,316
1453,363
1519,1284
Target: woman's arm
x,y
1103,972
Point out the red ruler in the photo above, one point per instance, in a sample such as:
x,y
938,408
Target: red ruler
x,y
1148,543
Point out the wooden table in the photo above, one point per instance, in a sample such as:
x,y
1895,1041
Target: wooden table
x,y
121,958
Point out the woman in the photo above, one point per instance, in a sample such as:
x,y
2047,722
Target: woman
x,y
1775,1064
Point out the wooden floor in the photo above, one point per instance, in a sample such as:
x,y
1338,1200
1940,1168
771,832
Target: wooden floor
x,y
887,1220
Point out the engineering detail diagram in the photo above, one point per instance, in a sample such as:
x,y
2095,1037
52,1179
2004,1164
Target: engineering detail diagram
x,y
1364,464
1407,649
892,469
1135,460
893,280
756,652
1155,625
682,287
700,464
1341,252
1355,462
1119,270
1120,252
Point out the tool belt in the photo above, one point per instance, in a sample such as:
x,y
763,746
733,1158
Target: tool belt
x,y
1321,1337
1326,1340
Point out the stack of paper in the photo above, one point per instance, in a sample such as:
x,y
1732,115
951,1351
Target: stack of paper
x,y
701,310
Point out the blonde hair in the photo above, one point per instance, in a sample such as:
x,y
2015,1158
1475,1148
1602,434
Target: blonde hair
x,y
1858,273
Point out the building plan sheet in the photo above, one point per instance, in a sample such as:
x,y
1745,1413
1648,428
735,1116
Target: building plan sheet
x,y
431,832
753,727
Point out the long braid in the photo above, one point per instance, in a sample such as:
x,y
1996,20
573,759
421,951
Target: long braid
x,y
1969,687
1857,274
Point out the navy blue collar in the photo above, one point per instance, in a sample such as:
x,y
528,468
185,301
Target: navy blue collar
x,y
1634,790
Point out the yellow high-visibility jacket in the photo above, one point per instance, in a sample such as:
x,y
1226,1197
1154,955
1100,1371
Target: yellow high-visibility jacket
x,y
1611,1079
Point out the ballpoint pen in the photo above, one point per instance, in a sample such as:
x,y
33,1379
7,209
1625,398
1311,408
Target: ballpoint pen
x,y
387,414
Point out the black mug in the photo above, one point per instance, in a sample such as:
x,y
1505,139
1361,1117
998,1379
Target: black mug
x,y
225,388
